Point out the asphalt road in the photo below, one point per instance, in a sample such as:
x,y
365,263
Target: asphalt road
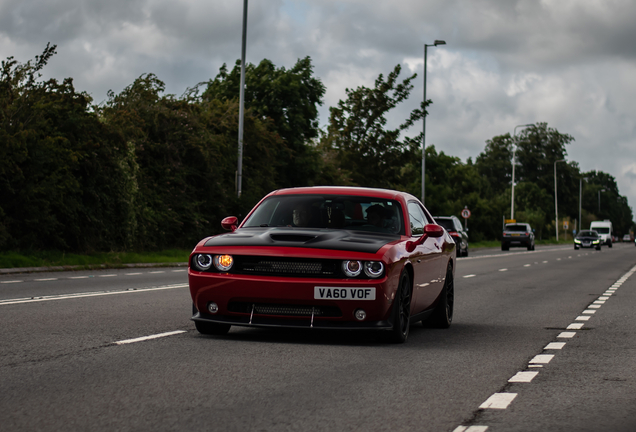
x,y
73,356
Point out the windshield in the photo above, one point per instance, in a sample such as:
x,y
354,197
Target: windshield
x,y
446,223
329,211
588,234
523,228
601,230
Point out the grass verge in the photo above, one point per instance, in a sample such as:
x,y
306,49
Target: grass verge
x,y
104,259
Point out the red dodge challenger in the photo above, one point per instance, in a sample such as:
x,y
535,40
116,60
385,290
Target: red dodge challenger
x,y
326,258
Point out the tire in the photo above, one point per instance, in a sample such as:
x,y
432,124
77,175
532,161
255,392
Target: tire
x,y
466,253
610,244
530,247
576,248
401,313
208,328
443,314
504,248
598,248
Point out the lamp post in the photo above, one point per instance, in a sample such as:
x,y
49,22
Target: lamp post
x,y
599,201
514,151
556,207
580,200
437,42
239,168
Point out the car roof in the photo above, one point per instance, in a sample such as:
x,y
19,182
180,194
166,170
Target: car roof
x,y
345,190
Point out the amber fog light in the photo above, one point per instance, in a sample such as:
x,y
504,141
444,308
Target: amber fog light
x,y
213,307
223,262
360,315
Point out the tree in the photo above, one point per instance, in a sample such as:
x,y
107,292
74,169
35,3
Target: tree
x,y
372,155
290,100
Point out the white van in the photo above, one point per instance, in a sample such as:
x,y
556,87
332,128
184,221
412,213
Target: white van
x,y
604,230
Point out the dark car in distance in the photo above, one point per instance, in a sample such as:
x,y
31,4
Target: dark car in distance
x,y
587,239
517,235
456,231
339,258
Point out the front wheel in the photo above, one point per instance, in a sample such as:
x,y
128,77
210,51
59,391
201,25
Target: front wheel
x,y
443,314
401,314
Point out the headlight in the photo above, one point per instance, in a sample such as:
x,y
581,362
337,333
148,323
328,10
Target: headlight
x,y
373,269
596,241
577,241
202,261
223,262
352,268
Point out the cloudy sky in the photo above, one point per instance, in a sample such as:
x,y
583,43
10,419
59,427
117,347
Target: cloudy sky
x,y
570,63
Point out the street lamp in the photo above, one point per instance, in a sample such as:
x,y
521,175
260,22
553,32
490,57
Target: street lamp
x,y
437,42
599,201
581,199
514,150
239,168
556,208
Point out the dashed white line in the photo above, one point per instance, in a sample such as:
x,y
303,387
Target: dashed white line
x,y
108,275
132,274
503,270
156,272
45,279
574,326
469,276
594,306
588,311
470,429
145,338
566,335
525,376
582,318
542,358
13,281
78,277
554,345
498,401
527,265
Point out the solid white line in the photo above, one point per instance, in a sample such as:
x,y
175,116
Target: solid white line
x,y
93,294
498,401
524,376
145,338
554,345
575,326
469,276
542,358
566,335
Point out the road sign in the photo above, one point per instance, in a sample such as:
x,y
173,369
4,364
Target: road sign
x,y
465,213
565,225
510,221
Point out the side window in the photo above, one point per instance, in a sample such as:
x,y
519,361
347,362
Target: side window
x,y
417,219
458,225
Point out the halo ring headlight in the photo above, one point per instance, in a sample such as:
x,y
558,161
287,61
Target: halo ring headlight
x,y
352,268
223,262
203,261
373,269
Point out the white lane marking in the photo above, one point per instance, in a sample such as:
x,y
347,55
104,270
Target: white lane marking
x,y
109,275
156,272
470,429
588,311
527,265
525,376
542,358
503,269
498,401
569,257
45,279
582,318
575,326
178,271
566,335
132,274
559,259
514,253
603,298
13,281
594,306
535,366
469,276
599,302
423,285
554,345
544,262
145,338
78,277
92,294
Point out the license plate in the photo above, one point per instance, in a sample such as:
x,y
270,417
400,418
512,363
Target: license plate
x,y
344,293
586,243
515,235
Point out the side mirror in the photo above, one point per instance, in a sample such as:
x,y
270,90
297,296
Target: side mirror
x,y
430,230
230,223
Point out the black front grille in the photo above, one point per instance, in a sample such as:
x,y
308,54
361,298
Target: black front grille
x,y
284,309
285,267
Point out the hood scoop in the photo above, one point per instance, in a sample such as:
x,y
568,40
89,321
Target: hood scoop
x,y
301,238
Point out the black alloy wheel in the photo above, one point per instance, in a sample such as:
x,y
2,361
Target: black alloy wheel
x,y
401,315
443,315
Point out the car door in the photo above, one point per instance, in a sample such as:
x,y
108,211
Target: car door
x,y
425,259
